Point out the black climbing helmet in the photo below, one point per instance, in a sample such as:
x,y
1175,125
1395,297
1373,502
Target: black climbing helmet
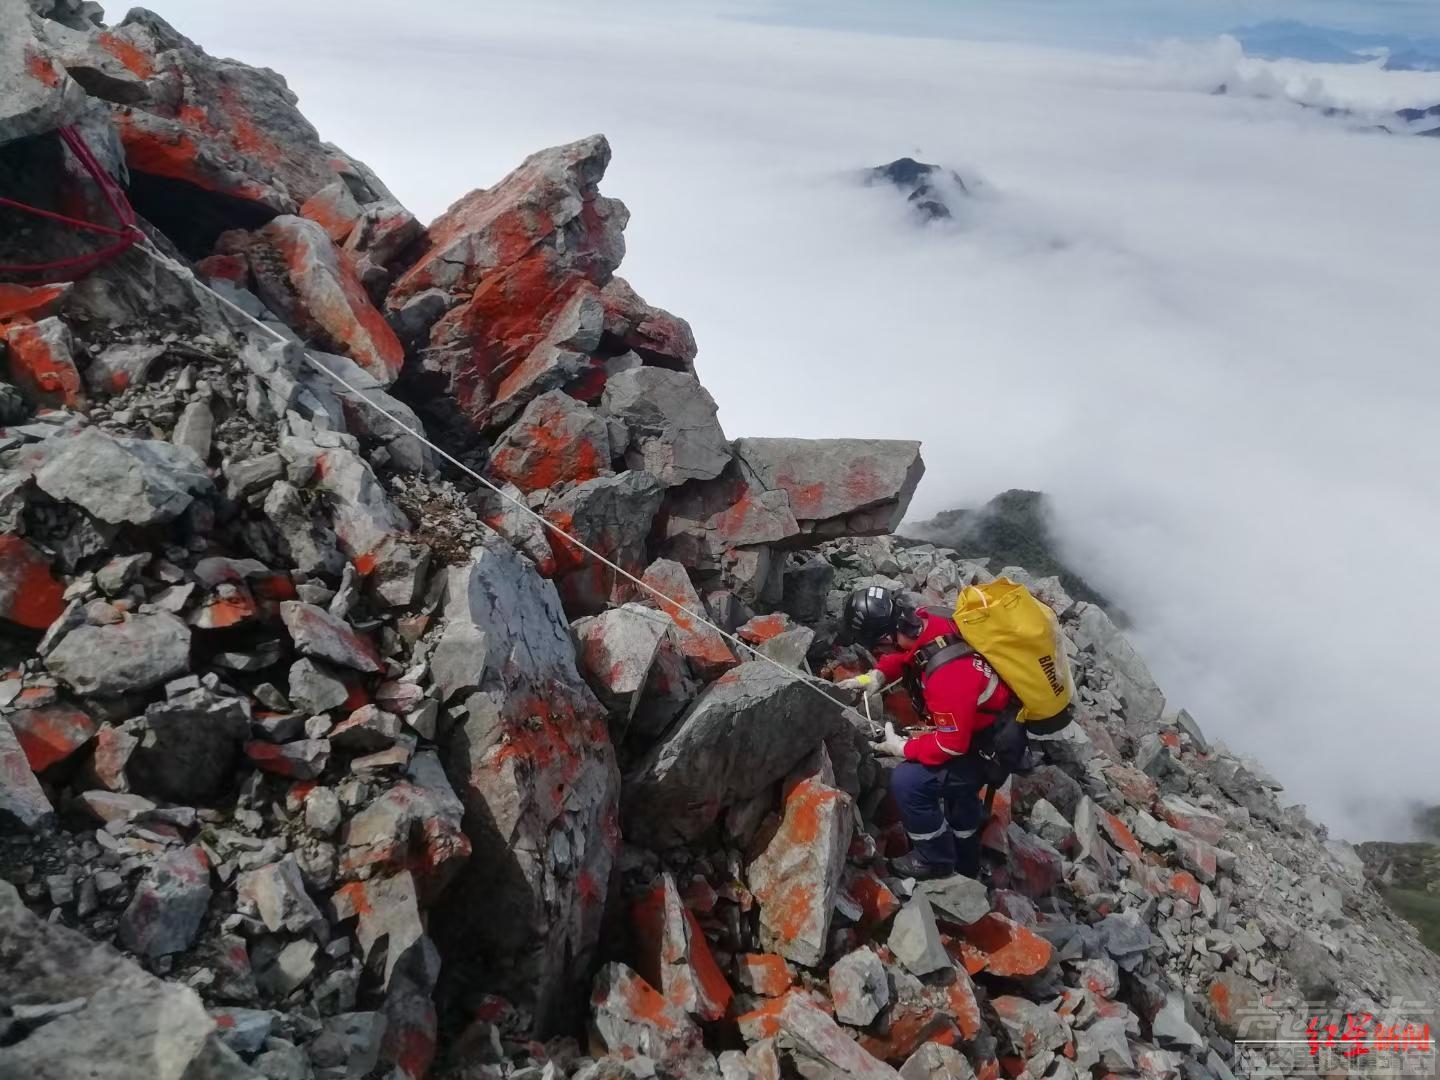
x,y
875,612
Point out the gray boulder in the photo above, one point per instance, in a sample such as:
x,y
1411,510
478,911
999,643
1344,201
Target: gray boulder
x,y
958,898
128,1026
124,481
935,1061
323,636
165,912
35,94
915,939
859,987
361,512
121,658
22,801
370,413
674,432
610,515
858,487
306,541
616,651
746,731
314,688
190,747
532,763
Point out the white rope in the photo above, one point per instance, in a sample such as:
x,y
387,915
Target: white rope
x,y
811,682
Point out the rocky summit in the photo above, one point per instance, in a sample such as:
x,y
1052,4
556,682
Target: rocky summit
x,y
321,760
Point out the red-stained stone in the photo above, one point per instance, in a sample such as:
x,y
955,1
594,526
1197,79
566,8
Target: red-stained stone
x,y
165,147
229,605
523,262
217,125
29,594
657,335
762,628
675,957
42,365
1232,997
1035,867
707,652
335,210
796,877
299,273
1010,949
1138,789
995,834
763,1022
631,1017
406,828
1199,823
1183,884
877,903
764,973
910,1024
556,440
1120,834
21,303
947,1014
303,760
232,268
51,734
113,747
1196,855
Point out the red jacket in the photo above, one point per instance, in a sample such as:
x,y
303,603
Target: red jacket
x,y
952,696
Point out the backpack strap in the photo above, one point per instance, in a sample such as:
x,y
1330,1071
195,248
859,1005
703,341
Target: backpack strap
x,y
935,654
945,649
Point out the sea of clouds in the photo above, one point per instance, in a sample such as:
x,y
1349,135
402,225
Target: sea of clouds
x,y
1205,324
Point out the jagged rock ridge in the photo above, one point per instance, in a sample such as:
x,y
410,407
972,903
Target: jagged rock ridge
x,y
1014,529
368,774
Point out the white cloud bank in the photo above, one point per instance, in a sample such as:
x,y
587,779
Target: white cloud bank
x,y
1205,324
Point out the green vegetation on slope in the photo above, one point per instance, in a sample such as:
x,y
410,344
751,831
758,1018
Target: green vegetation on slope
x,y
1421,910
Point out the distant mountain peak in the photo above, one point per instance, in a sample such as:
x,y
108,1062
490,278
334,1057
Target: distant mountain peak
x,y
930,189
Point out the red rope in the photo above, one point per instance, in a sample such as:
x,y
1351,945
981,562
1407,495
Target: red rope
x,y
124,237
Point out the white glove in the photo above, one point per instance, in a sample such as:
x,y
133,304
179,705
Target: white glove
x,y
892,745
872,682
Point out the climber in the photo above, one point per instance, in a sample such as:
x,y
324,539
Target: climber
x,y
975,741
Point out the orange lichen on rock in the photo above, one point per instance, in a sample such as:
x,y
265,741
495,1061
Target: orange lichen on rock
x,y
51,735
764,973
41,364
877,903
21,303
1009,948
136,60
29,594
42,69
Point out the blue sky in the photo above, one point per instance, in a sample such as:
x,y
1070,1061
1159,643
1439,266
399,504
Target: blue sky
x,y
1108,24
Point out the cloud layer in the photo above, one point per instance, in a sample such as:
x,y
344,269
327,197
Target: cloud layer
x,y
1204,323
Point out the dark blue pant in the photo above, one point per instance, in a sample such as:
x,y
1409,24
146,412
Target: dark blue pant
x,y
940,808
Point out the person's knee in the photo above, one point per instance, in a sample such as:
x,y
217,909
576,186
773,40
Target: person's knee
x,y
908,781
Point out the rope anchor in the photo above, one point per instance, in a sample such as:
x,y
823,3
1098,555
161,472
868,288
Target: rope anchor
x,y
125,236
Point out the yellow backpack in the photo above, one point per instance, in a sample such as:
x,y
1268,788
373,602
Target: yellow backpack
x,y
1021,639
